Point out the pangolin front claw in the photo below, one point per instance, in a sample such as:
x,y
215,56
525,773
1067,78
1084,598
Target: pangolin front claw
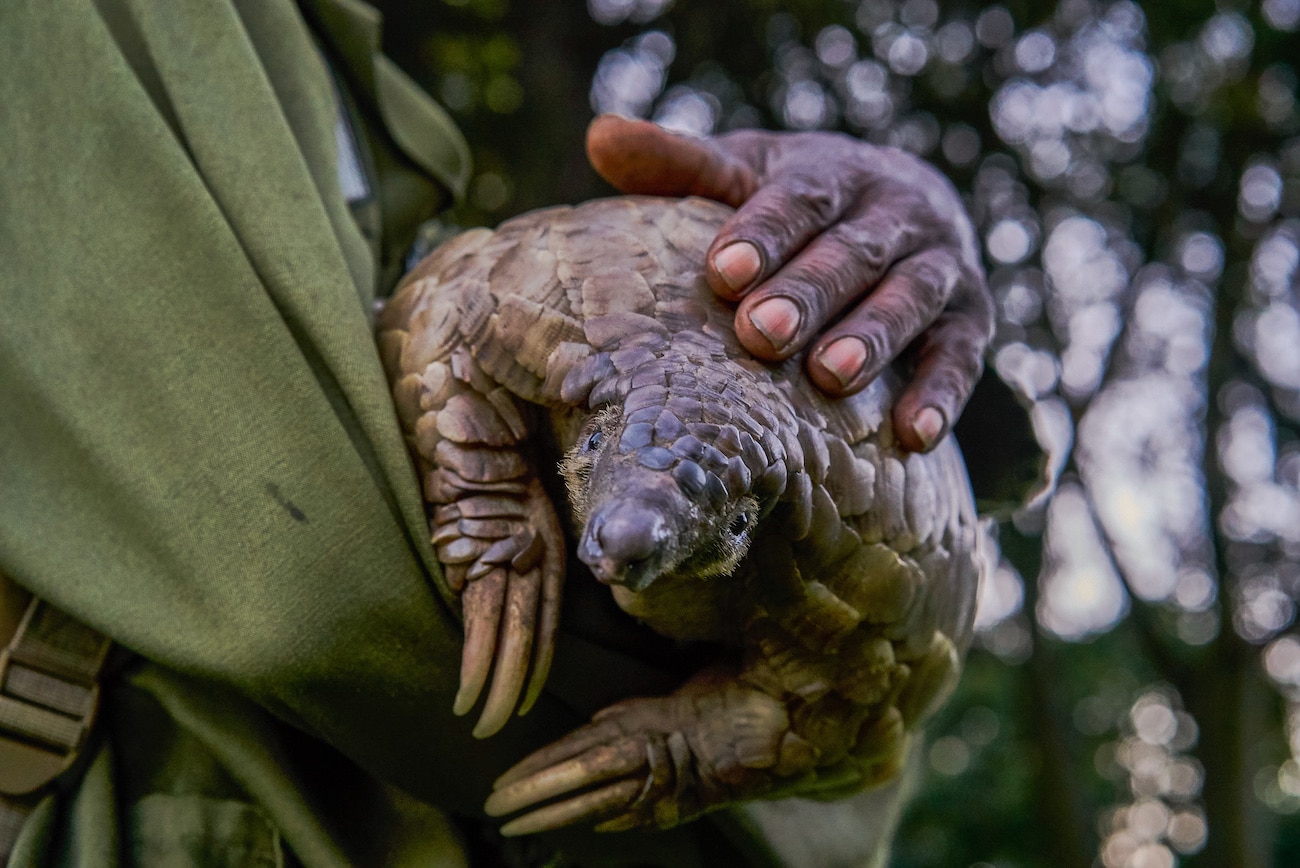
x,y
652,763
511,604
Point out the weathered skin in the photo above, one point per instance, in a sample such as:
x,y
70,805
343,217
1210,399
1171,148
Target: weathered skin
x,y
720,499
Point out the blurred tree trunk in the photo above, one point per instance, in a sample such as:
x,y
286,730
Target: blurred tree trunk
x,y
1066,819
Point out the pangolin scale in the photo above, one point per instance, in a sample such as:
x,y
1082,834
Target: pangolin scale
x,y
719,498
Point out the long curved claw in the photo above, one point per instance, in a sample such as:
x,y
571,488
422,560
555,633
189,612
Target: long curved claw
x,y
577,742
601,774
548,625
587,806
506,557
593,767
482,600
519,626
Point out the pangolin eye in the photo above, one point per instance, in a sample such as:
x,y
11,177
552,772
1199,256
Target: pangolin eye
x,y
593,442
739,524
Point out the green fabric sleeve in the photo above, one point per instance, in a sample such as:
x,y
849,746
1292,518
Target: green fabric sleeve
x,y
198,453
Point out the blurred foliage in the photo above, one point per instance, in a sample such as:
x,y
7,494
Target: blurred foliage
x,y
1134,171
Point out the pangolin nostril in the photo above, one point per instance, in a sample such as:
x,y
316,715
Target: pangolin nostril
x,y
623,542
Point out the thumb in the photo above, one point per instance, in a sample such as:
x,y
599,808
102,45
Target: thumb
x,y
640,157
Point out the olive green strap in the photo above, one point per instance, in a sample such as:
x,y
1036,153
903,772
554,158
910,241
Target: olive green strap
x,y
49,694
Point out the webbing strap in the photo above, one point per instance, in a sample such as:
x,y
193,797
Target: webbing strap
x,y
49,695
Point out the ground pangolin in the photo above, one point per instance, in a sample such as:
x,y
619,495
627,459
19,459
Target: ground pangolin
x,y
719,498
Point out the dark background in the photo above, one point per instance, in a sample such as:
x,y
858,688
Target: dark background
x,y
1134,170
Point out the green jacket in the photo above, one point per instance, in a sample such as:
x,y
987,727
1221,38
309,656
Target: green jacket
x,y
198,455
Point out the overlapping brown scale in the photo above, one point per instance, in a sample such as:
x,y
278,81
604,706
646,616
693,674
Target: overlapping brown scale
x,y
688,446
392,343
609,391
877,582
820,619
426,436
461,550
870,671
667,428
931,680
528,264
443,485
431,331
788,668
737,476
506,371
483,506
714,459
606,332
825,527
920,500
891,493
483,528
445,533
406,398
470,418
715,491
656,458
678,314
636,436
466,368
630,359
560,364
690,477
436,385
773,446
793,451
797,498
771,483
506,406
829,727
755,458
480,465
524,546
687,409
816,458
584,375
850,481
650,375
651,398
643,416
615,288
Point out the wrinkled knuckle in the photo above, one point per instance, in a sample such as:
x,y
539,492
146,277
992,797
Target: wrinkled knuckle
x,y
819,203
932,276
968,358
867,253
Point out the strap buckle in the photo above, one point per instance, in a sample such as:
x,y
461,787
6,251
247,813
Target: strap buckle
x,y
49,697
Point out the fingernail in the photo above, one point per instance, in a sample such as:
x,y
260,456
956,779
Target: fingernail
x,y
777,319
738,264
928,425
844,359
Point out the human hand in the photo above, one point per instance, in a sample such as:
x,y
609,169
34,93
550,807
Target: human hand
x,y
857,250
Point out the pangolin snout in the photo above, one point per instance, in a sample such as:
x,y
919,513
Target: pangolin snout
x,y
624,543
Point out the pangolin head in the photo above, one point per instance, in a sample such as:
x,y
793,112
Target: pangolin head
x,y
647,512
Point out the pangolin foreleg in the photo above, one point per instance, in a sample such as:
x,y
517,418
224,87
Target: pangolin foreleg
x,y
494,531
